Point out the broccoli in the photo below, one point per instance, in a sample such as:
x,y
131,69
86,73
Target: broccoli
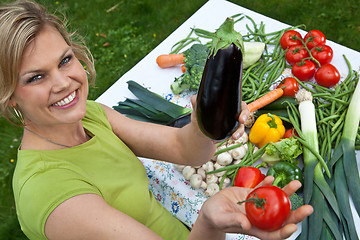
x,y
296,201
195,59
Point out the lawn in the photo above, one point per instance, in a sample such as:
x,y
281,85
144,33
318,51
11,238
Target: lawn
x,y
120,33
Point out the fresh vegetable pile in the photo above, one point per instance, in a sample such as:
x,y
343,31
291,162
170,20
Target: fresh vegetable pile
x,y
294,138
304,126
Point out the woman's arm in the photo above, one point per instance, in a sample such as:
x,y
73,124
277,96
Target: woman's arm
x,y
88,216
186,145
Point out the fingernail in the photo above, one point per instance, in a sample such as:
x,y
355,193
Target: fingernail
x,y
236,136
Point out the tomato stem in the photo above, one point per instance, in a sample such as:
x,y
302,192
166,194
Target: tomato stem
x,y
258,202
311,57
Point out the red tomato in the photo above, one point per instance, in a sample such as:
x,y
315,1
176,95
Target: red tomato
x,y
290,38
290,133
295,54
248,177
273,211
327,75
291,86
304,70
324,55
315,38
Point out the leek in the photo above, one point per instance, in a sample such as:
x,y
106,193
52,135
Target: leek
x,y
346,179
314,194
150,107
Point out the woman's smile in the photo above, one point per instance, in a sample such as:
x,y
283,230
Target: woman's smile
x,y
68,101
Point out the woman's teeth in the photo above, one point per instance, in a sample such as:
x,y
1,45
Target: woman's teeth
x,y
66,100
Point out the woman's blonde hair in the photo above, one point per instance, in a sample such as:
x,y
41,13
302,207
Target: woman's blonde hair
x,y
20,21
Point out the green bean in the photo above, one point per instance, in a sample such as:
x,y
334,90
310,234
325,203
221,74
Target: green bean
x,y
235,173
274,73
321,130
238,20
228,148
294,121
316,154
323,94
223,179
275,38
338,122
337,132
329,142
262,84
337,141
324,120
256,80
303,85
249,70
252,21
203,33
254,157
222,142
246,89
182,42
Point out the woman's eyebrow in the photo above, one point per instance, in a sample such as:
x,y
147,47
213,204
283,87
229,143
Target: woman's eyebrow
x,y
65,52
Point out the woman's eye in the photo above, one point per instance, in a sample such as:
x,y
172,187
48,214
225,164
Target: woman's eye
x,y
34,79
65,60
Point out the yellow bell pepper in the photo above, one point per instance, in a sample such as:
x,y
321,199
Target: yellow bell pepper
x,y
267,128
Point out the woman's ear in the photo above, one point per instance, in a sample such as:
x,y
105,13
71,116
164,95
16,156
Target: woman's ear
x,y
11,102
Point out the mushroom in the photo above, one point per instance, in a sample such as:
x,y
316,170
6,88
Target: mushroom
x,y
201,172
218,166
179,167
187,172
226,183
203,185
196,181
211,178
208,167
237,161
224,158
212,189
244,138
239,152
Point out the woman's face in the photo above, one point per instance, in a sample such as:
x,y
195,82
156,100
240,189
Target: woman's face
x,y
52,87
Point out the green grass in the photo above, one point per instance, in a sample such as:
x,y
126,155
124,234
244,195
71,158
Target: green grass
x,y
337,19
121,32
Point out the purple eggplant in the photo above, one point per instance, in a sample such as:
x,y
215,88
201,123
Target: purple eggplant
x,y
218,102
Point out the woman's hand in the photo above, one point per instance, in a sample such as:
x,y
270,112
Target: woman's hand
x,y
221,214
242,117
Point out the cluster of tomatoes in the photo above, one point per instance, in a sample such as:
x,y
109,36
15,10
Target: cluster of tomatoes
x,y
310,57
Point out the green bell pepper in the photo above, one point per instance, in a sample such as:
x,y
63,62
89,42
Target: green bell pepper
x,y
285,172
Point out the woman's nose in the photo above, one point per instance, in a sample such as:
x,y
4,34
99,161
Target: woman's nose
x,y
60,81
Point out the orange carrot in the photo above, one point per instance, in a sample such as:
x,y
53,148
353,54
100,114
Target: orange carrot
x,y
170,60
266,99
183,69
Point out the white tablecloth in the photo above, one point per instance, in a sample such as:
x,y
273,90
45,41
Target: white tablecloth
x,y
167,184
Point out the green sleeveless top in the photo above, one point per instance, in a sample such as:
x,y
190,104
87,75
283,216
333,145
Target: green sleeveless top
x,y
104,165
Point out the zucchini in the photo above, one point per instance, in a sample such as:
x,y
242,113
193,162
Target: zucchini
x,y
280,103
